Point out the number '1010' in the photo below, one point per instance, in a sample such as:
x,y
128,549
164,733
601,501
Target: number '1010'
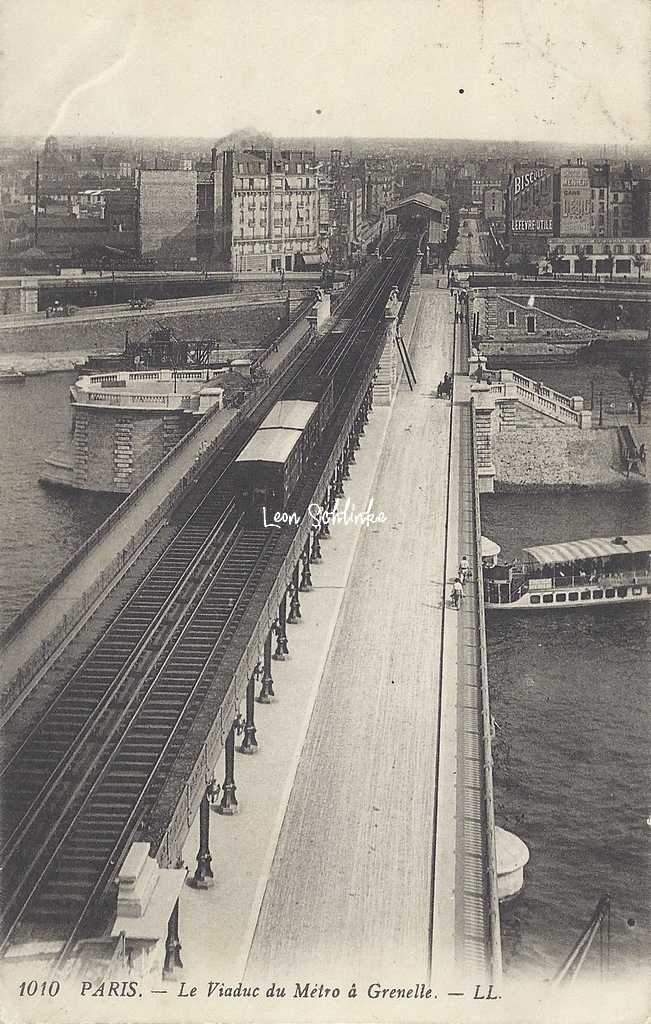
x,y
43,988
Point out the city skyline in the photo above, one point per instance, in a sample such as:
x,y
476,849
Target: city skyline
x,y
499,70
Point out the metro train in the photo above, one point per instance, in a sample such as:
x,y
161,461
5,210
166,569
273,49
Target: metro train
x,y
270,466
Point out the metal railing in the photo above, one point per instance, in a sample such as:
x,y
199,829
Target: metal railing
x,y
599,924
492,900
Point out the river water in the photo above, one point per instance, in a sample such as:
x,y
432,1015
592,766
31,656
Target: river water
x,y
40,528
569,690
570,695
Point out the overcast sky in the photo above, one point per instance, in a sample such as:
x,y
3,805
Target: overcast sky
x,y
556,70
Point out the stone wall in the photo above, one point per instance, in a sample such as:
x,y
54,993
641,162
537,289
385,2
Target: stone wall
x,y
244,327
113,450
10,299
535,457
546,324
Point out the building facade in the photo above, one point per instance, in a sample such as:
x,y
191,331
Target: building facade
x,y
270,208
167,213
620,205
641,207
575,200
607,257
493,204
530,208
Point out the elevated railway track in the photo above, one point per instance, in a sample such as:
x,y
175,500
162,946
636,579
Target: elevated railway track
x,y
78,784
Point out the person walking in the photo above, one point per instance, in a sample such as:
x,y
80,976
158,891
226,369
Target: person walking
x,y
464,569
457,593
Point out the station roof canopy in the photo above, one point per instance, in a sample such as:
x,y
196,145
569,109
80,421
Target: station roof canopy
x,y
419,204
597,547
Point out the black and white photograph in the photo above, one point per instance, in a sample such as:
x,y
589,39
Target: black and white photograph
x,y
325,531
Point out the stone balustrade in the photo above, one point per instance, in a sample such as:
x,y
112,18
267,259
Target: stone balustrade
x,y
121,389
507,386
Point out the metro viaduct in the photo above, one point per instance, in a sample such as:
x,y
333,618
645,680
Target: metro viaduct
x,y
237,672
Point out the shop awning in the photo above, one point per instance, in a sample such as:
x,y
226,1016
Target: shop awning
x,y
596,547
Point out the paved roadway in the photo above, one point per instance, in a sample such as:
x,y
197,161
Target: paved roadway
x,y
162,308
350,885
469,251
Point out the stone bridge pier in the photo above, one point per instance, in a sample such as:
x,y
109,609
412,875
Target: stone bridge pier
x,y
387,375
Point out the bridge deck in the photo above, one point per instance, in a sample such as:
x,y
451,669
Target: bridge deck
x,y
351,875
350,884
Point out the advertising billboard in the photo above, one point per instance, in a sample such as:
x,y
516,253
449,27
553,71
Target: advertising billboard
x,y
575,201
531,202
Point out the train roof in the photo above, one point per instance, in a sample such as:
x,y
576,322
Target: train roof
x,y
274,445
595,547
292,414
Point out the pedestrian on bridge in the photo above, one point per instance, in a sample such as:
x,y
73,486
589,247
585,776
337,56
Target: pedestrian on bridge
x,y
457,593
464,569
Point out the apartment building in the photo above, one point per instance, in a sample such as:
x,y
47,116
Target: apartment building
x,y
270,209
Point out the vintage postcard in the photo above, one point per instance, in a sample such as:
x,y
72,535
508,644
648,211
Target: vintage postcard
x,y
326,537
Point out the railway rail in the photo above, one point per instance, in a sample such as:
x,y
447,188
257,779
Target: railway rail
x,y
78,785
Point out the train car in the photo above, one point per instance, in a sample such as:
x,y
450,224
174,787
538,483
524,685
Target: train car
x,y
319,390
270,466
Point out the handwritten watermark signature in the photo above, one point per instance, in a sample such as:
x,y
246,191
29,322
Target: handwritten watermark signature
x,y
346,515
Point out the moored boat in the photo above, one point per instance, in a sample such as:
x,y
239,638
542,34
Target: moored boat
x,y
597,571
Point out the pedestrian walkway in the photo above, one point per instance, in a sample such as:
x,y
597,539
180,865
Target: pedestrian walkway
x,y
341,879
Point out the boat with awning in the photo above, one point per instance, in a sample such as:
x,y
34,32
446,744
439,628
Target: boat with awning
x,y
598,570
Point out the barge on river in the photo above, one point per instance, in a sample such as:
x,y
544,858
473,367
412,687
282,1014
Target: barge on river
x,y
579,573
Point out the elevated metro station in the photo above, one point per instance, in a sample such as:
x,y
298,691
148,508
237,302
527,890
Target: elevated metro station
x,y
425,217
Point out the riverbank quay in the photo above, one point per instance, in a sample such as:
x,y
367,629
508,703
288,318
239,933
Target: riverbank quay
x,y
539,458
35,364
541,437
236,324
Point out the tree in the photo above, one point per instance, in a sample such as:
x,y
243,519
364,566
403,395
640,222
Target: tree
x,y
583,263
527,265
610,262
638,261
556,260
500,257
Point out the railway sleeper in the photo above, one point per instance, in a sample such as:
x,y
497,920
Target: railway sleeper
x,y
134,618
149,739
133,632
87,840
195,649
164,718
72,886
75,702
100,819
96,676
134,763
